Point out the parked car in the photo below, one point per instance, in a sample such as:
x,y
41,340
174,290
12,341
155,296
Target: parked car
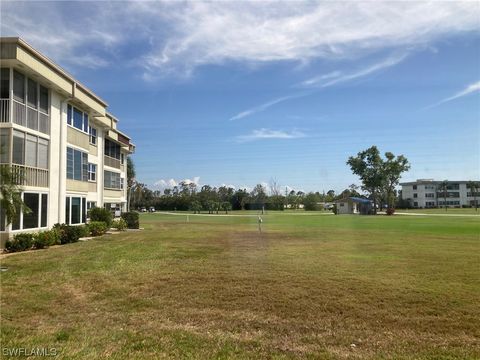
x,y
151,209
143,209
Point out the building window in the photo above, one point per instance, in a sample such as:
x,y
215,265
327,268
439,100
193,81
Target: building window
x,y
112,149
414,187
77,118
122,183
415,204
91,205
111,180
122,158
30,150
32,93
430,195
75,210
92,172
93,135
37,216
77,165
415,195
43,99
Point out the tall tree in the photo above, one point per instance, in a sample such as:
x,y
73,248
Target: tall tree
x,y
474,186
443,187
393,168
130,180
368,166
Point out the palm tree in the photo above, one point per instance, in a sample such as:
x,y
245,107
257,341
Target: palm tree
x,y
473,186
443,187
11,201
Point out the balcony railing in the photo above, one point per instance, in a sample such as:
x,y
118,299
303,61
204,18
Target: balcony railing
x,y
112,162
24,115
29,176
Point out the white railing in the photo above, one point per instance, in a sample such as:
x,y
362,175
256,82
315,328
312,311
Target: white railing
x,y
4,110
112,162
30,176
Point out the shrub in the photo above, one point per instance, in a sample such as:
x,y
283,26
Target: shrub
x,y
131,218
20,242
69,234
83,230
334,209
101,214
390,211
119,224
97,228
45,239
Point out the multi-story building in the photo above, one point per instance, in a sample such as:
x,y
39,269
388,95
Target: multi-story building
x,y
428,193
62,145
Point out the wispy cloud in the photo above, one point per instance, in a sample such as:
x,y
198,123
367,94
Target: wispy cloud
x,y
475,87
266,134
266,105
178,37
170,183
340,77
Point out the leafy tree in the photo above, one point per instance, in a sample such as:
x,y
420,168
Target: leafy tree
x,y
368,165
130,179
195,206
443,187
393,168
474,186
226,206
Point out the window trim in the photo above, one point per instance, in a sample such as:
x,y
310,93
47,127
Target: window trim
x,y
91,136
92,170
39,221
70,120
83,199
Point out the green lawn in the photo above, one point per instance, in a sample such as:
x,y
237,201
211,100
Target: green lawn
x,y
308,286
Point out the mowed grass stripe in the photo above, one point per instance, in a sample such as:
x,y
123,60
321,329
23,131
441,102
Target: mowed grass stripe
x,y
307,286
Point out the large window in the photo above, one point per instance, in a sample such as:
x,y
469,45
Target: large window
x,y
77,165
112,180
75,210
30,150
112,149
37,216
77,118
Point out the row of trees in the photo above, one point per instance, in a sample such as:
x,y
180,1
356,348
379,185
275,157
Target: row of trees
x,y
187,196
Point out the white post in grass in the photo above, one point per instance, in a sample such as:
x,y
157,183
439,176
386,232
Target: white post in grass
x,y
260,224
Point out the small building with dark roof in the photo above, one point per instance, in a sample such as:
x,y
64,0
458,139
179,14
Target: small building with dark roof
x,y
354,205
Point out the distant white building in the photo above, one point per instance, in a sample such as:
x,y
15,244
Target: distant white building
x,y
427,193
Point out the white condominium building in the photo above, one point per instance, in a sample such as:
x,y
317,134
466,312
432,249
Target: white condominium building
x,y
428,193
62,145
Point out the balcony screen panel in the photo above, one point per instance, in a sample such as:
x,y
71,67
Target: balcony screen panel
x,y
69,163
30,220
43,99
4,145
31,151
32,92
4,83
18,147
18,86
42,153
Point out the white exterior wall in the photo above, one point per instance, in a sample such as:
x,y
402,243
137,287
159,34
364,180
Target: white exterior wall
x,y
423,188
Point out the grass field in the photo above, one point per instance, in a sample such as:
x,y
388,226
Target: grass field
x,y
308,286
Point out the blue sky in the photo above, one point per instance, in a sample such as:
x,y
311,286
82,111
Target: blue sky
x,y
241,93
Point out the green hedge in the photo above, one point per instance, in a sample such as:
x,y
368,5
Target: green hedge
x,y
119,224
20,242
101,214
132,219
97,228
